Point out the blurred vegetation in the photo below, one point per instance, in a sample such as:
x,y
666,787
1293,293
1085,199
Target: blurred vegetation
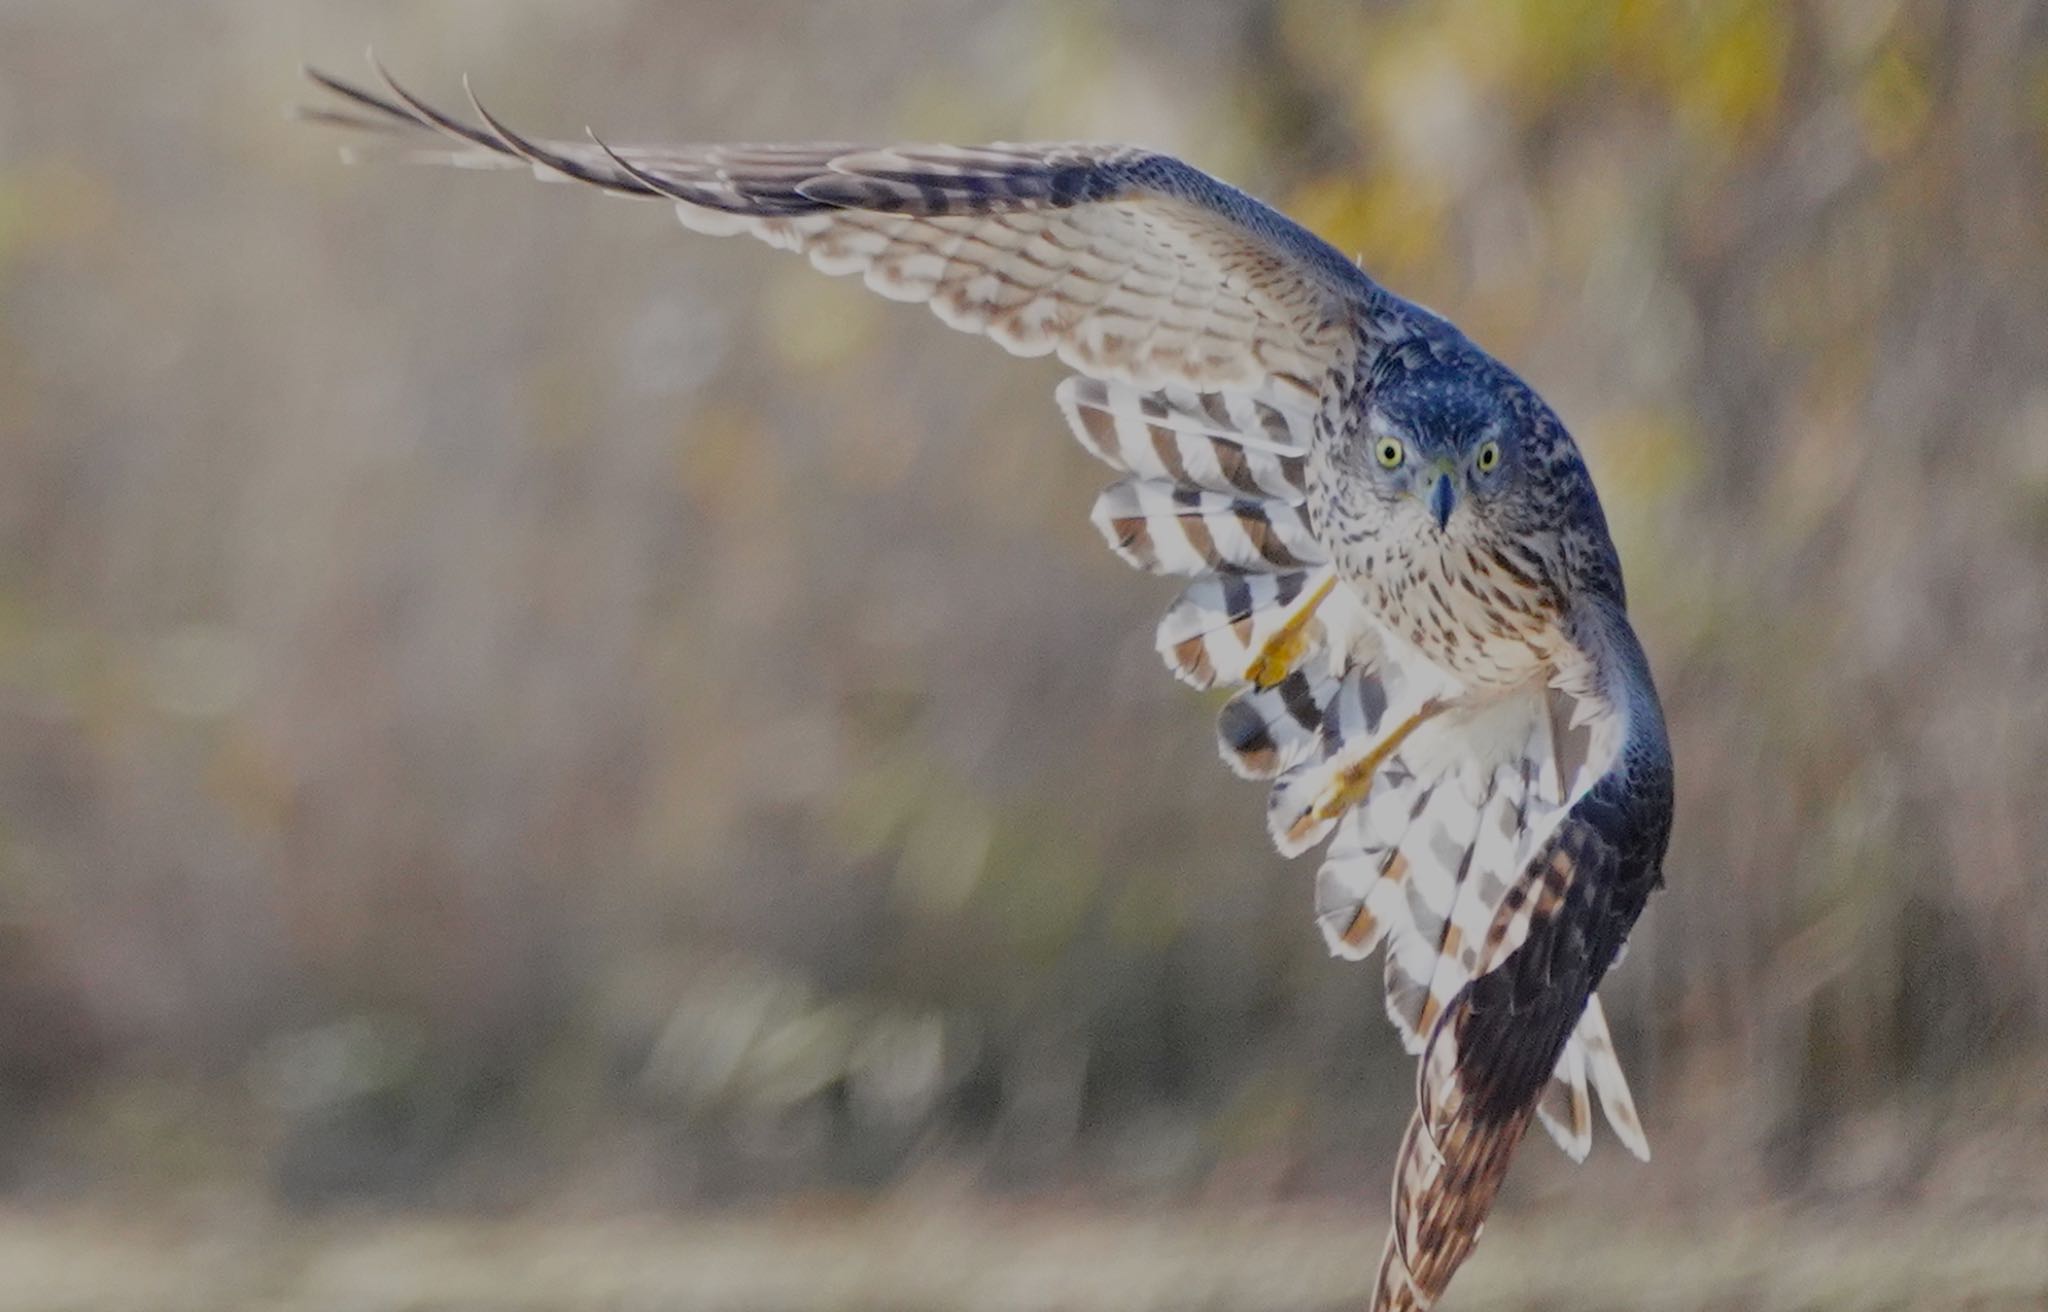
x,y
925,1255
503,700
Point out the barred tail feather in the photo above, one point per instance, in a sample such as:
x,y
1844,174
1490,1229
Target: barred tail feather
x,y
1603,1069
1564,1108
1453,1159
1588,1069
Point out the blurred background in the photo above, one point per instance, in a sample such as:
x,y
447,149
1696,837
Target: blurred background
x,y
550,762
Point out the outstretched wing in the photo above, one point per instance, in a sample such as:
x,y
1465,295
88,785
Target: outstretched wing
x,y
1204,325
1586,871
1129,265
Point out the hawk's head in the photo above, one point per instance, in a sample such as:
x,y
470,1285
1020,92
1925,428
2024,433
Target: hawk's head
x,y
1437,446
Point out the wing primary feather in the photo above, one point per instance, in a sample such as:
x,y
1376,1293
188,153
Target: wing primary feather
x,y
419,111
1143,269
554,161
655,186
398,114
512,142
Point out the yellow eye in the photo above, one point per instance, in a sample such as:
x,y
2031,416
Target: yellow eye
x,y
1489,457
1389,453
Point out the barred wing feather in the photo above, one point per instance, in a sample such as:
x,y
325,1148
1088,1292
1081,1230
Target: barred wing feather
x,y
1129,265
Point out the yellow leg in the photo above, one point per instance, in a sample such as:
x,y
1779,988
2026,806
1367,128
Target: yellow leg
x,y
1276,660
1354,781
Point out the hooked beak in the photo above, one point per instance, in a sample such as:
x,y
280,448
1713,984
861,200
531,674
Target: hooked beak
x,y
1442,498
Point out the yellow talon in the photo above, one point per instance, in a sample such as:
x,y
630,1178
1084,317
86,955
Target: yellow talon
x,y
1354,781
1276,660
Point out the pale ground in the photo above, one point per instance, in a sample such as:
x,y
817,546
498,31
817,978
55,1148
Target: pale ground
x,y
904,1258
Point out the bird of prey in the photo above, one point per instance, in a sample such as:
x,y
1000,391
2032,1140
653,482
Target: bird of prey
x,y
1393,550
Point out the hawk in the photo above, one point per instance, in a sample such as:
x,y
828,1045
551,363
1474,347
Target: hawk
x,y
1394,554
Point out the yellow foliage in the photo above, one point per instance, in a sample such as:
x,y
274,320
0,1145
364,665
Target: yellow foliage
x,y
1726,70
2037,102
51,201
1148,912
1641,457
814,324
725,461
1398,221
1719,67
1893,103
